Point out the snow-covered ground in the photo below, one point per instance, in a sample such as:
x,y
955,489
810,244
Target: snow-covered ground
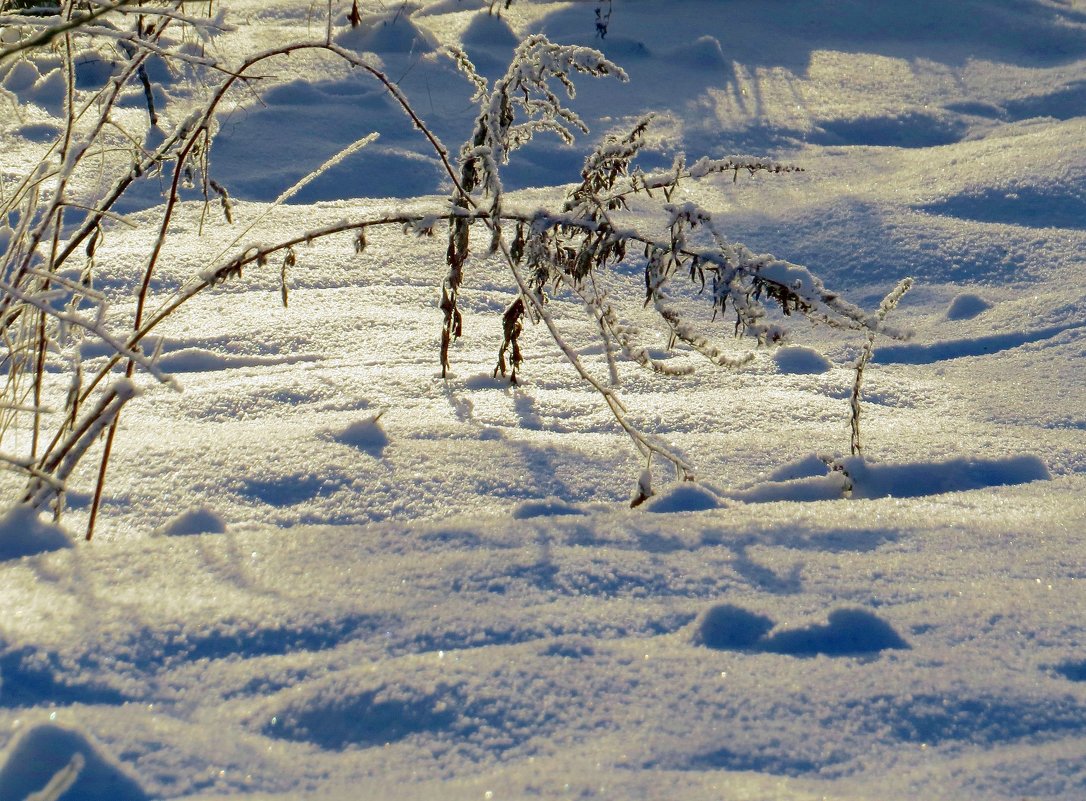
x,y
322,571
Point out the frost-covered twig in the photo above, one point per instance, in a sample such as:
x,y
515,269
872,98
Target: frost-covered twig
x,y
888,304
520,105
70,451
57,27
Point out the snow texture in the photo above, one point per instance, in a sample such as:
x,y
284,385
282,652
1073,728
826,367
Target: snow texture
x,y
41,752
966,306
23,533
799,359
194,521
400,586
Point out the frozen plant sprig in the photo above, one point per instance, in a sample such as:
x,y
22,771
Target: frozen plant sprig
x,y
521,104
888,304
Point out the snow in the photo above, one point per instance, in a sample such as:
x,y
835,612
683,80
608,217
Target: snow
x,y
48,750
322,571
800,359
860,478
966,306
23,533
846,632
367,435
200,520
683,497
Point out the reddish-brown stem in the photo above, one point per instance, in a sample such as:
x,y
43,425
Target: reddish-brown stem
x,y
172,200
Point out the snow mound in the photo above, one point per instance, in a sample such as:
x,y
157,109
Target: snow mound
x,y
934,478
809,466
22,533
366,435
200,520
389,34
42,752
336,716
42,132
488,30
684,496
829,487
93,69
623,49
862,479
801,360
486,381
199,360
703,53
49,91
549,507
846,632
21,76
728,627
966,306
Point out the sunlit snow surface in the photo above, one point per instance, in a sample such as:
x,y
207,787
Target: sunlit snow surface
x,y
324,572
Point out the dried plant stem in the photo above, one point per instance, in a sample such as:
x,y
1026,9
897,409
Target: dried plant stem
x,y
300,184
202,129
53,32
889,303
72,156
645,445
65,457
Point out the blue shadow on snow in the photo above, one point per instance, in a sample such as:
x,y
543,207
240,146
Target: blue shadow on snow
x,y
848,632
